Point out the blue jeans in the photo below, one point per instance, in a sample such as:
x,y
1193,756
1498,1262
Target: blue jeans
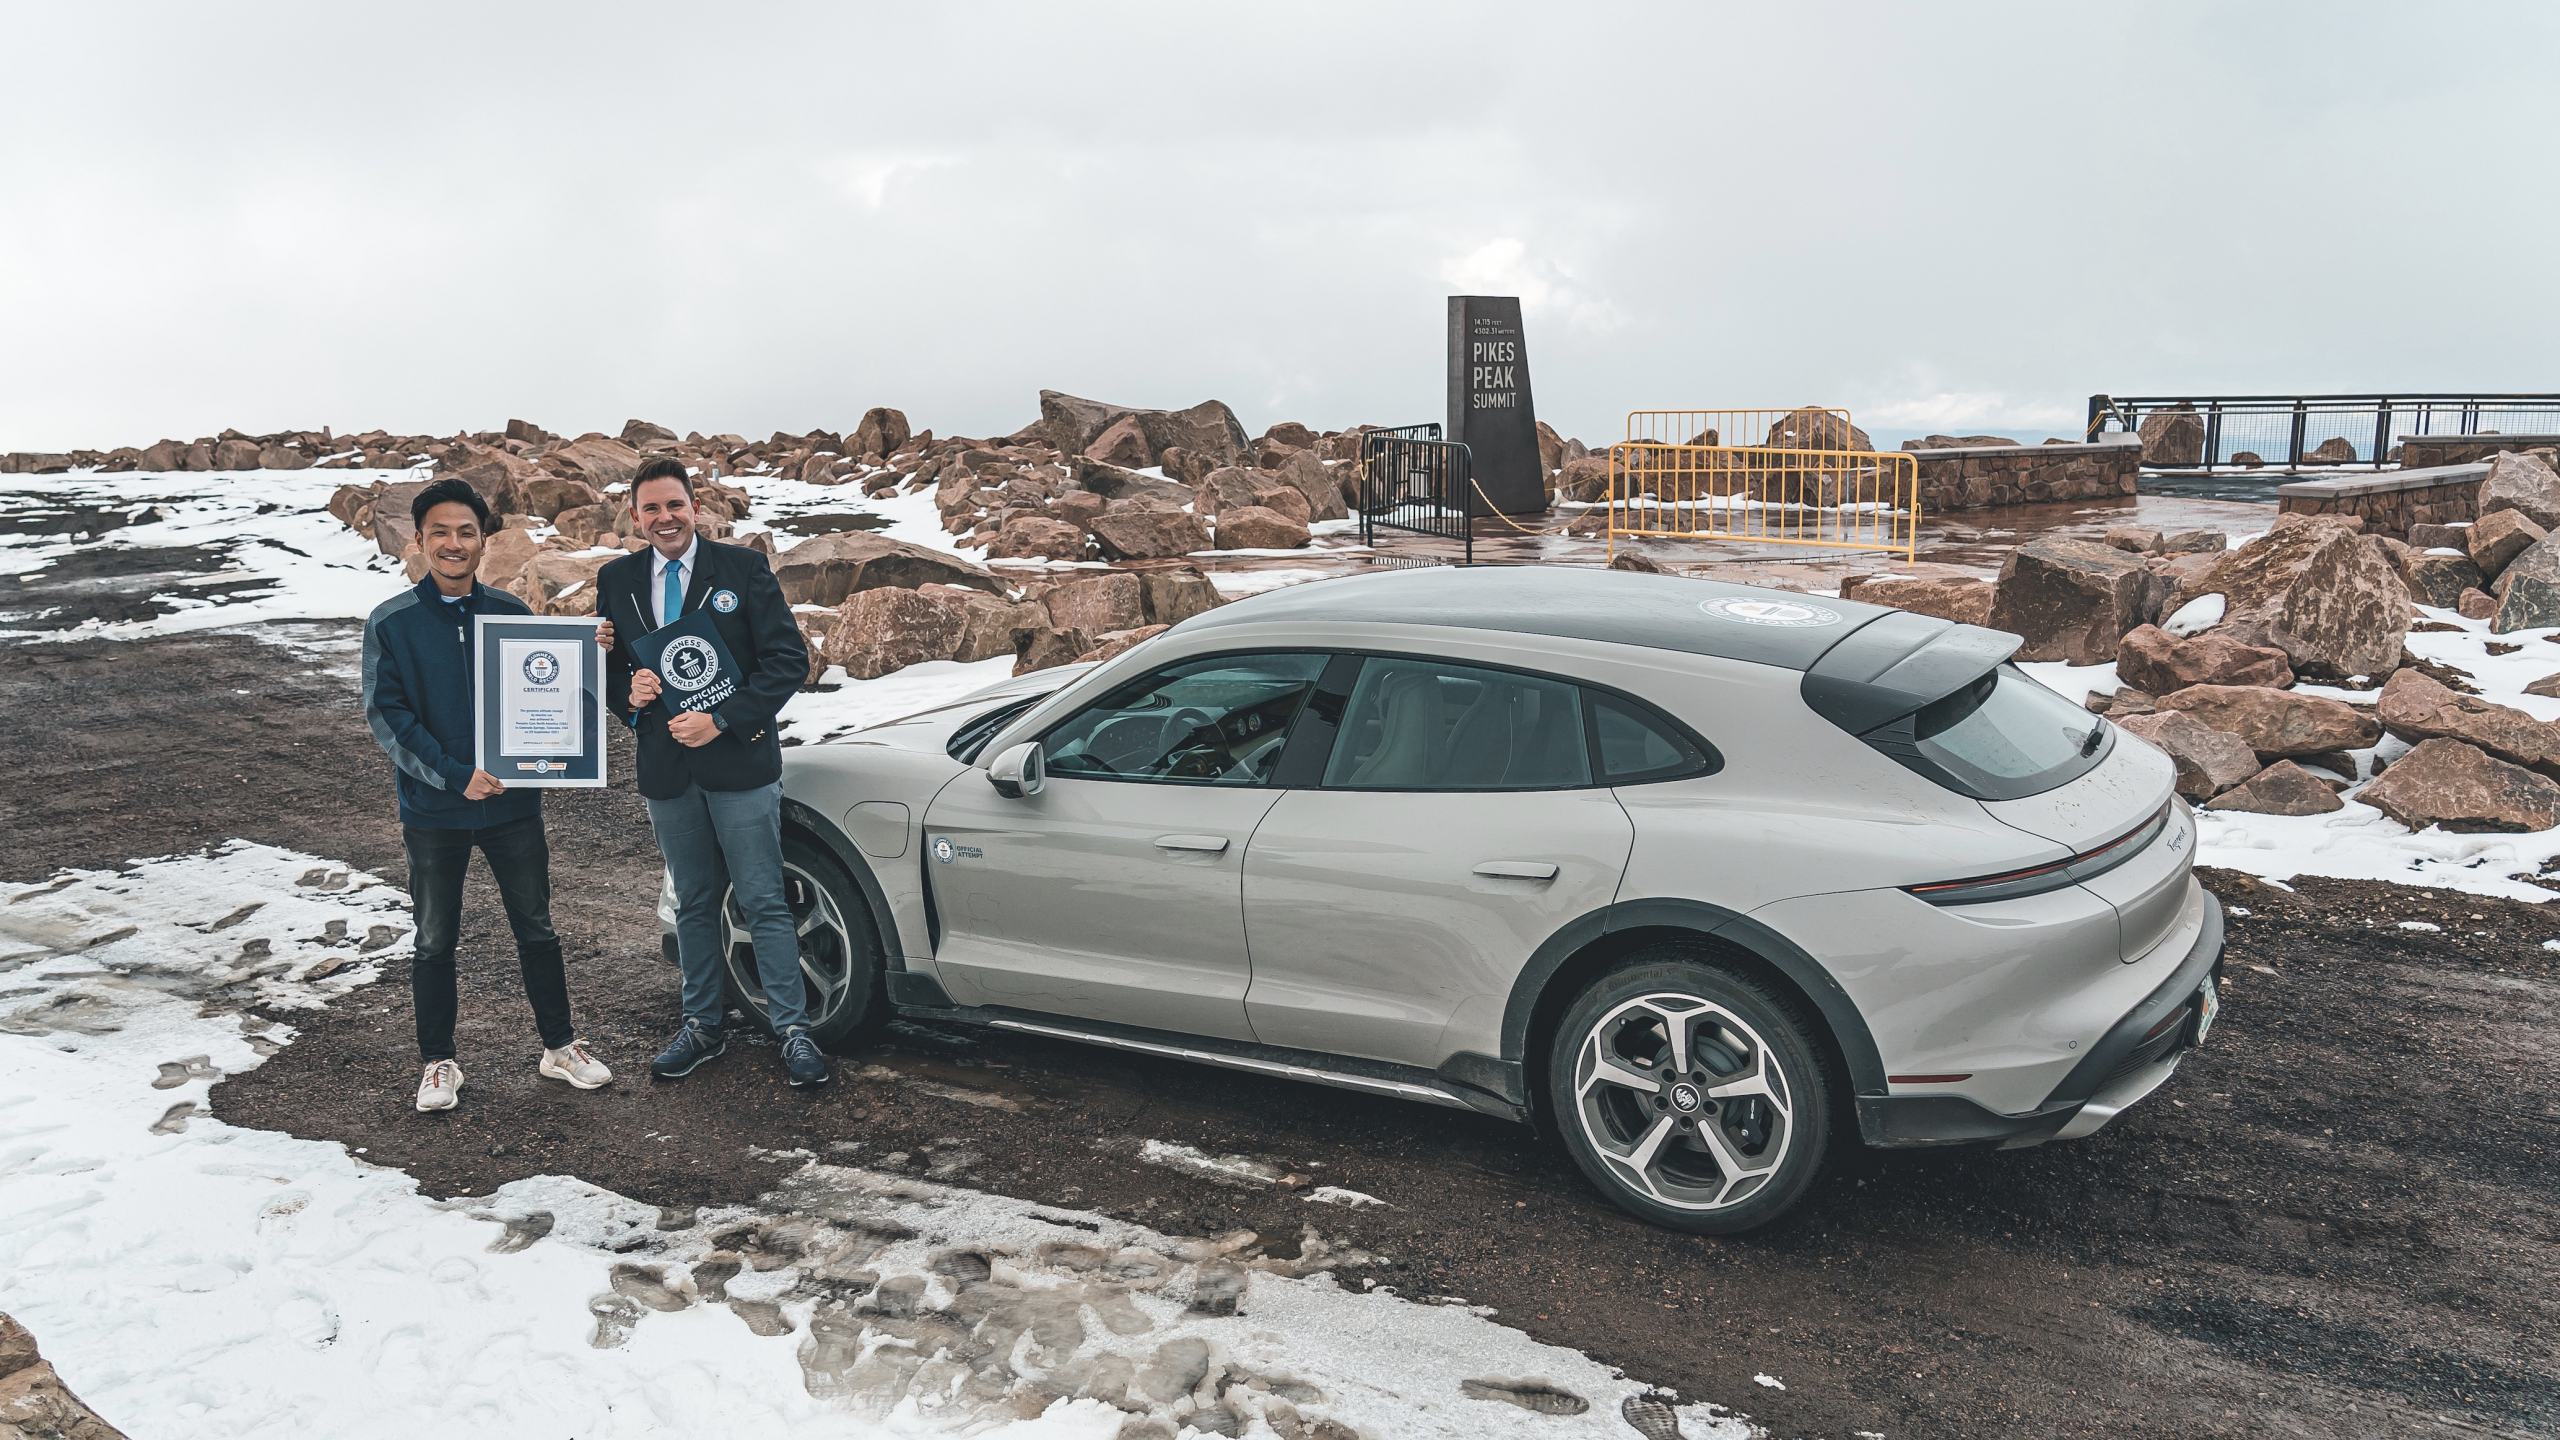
x,y
713,839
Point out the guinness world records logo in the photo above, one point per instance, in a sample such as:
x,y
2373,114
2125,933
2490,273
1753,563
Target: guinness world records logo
x,y
690,663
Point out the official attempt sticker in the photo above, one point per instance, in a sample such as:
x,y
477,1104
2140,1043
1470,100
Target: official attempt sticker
x,y
1787,614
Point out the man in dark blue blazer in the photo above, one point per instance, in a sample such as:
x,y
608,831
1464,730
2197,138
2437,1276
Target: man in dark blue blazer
x,y
713,778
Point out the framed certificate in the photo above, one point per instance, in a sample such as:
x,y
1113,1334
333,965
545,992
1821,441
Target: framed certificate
x,y
538,701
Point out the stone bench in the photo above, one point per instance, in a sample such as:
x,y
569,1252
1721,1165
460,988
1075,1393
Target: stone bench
x,y
2392,500
1969,477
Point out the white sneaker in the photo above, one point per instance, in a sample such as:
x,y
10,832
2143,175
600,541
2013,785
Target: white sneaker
x,y
572,1063
441,1086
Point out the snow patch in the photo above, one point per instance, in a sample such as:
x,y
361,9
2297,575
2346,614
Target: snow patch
x,y
1224,1169
2196,616
189,1277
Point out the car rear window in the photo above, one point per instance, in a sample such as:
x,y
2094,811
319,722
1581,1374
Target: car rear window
x,y
2005,736
1636,747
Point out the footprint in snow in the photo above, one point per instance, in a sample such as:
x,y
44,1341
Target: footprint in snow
x,y
827,1357
616,1315
763,1317
711,1277
1536,1396
174,1073
276,1216
522,1231
174,1120
1216,1289
652,1286
307,1321
1651,1418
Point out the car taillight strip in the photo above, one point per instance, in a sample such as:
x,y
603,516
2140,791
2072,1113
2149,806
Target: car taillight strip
x,y
2036,880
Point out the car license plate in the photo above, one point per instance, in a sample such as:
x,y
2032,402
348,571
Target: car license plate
x,y
2208,1005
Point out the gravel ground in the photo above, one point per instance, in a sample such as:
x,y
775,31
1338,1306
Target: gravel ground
x,y
2337,1220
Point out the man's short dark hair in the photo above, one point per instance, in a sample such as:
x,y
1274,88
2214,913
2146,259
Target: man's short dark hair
x,y
664,467
451,490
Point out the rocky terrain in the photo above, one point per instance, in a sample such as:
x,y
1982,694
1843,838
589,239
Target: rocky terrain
x,y
2247,665
1117,496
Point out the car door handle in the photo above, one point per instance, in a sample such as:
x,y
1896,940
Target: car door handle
x,y
1517,870
1211,844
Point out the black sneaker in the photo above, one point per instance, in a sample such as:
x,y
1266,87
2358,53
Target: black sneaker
x,y
800,1056
693,1044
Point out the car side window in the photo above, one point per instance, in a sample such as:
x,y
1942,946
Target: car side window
x,y
1429,725
1220,720
1636,746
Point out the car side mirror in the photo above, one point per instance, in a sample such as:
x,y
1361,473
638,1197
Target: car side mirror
x,y
1019,772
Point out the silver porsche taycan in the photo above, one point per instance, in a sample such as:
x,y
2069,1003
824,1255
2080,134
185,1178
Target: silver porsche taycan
x,y
1696,878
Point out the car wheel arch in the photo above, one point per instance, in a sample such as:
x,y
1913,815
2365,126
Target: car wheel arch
x,y
840,846
1588,946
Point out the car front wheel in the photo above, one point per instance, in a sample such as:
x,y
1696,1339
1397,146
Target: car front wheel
x,y
1691,1096
839,946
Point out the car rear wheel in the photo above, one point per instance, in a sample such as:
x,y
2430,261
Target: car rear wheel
x,y
839,945
1690,1095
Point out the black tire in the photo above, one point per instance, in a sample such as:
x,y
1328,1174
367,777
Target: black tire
x,y
1717,1166
838,942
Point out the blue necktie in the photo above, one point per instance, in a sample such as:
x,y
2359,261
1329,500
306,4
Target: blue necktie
x,y
675,593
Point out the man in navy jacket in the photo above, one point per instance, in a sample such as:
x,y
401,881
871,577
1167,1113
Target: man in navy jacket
x,y
417,700
713,778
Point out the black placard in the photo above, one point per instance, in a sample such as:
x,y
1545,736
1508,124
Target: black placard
x,y
700,675
1489,408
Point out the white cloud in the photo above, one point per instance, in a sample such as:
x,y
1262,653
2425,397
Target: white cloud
x,y
1504,266
866,178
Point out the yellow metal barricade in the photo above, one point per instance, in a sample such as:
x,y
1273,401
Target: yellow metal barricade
x,y
1795,482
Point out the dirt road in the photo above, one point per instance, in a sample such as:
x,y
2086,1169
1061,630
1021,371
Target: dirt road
x,y
2338,1220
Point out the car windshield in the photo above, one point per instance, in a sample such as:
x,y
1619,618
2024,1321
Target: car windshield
x,y
2007,736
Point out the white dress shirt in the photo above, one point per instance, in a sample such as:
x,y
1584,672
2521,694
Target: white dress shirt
x,y
658,563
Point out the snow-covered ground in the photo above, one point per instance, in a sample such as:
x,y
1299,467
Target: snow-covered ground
x,y
191,1278
2360,842
272,526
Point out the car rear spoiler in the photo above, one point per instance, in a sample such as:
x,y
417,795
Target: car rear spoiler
x,y
1895,664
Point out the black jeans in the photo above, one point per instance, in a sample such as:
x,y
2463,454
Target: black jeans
x,y
519,859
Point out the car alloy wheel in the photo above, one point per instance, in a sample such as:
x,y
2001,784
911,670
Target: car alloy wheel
x,y
1679,1097
1691,1097
836,963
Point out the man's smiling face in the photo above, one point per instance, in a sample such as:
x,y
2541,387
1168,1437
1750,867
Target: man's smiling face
x,y
663,509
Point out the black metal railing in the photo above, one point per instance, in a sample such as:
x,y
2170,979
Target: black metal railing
x,y
1413,481
2211,432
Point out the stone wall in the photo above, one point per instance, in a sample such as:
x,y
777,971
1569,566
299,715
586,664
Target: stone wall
x,y
2392,501
2428,451
1969,477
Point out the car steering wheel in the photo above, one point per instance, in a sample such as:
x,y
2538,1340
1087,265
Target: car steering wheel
x,y
1184,753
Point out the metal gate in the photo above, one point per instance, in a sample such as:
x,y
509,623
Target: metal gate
x,y
1413,481
1803,484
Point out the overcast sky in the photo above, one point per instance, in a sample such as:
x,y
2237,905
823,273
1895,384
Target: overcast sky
x,y
762,217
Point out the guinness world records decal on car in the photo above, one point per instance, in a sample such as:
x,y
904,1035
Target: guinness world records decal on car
x,y
1786,614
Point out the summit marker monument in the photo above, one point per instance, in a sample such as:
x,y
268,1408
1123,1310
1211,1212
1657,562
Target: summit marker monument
x,y
1489,407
